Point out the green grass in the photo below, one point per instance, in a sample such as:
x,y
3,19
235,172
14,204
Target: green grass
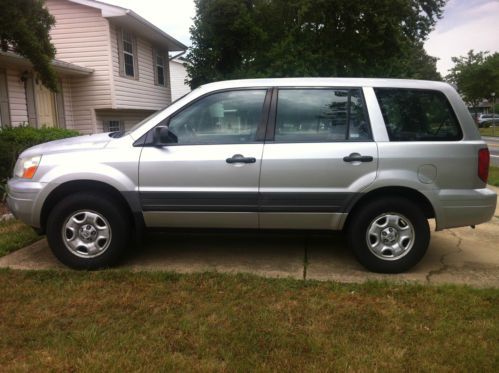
x,y
489,131
123,321
494,176
15,235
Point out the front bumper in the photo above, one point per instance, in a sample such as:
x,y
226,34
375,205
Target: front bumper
x,y
22,197
459,208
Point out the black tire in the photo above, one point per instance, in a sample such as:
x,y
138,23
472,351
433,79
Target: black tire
x,y
116,216
357,231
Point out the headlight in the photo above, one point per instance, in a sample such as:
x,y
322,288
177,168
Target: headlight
x,y
26,167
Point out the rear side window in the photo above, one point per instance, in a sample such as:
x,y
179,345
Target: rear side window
x,y
320,115
418,115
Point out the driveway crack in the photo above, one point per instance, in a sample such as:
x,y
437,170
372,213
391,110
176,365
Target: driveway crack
x,y
444,266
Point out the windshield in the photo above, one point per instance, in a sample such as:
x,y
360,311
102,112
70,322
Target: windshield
x,y
145,120
152,116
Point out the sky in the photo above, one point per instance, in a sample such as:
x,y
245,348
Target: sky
x,y
466,24
172,16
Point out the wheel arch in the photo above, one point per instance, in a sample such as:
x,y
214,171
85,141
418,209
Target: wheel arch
x,y
126,200
387,192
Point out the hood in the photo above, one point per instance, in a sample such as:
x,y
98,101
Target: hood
x,y
85,142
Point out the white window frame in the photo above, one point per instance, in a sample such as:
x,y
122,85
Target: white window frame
x,y
162,66
108,123
130,41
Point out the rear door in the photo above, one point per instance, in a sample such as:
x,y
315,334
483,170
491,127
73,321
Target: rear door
x,y
209,175
319,154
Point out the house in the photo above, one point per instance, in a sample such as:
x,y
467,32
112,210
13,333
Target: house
x,y
178,74
113,67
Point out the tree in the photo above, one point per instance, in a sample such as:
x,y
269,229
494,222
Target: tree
x,y
476,75
277,38
24,29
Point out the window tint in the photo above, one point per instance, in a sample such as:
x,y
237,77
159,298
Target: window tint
x,y
222,118
320,115
418,115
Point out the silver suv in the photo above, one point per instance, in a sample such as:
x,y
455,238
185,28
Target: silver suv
x,y
376,158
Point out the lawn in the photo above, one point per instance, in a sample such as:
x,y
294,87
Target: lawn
x,y
124,321
15,235
489,131
494,176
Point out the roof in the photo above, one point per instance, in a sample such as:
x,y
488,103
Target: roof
x,y
128,18
65,68
317,82
179,60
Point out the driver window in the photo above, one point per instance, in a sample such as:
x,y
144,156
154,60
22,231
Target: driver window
x,y
230,117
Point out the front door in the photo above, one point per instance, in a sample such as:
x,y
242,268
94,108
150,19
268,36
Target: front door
x,y
319,157
209,175
45,106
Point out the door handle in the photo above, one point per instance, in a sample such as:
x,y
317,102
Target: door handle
x,y
238,158
356,157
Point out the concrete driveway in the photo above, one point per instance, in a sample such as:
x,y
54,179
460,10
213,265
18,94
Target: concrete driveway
x,y
463,256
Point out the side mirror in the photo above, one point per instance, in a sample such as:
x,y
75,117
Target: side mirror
x,y
163,136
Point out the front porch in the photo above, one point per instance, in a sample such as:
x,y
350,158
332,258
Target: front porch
x,y
24,100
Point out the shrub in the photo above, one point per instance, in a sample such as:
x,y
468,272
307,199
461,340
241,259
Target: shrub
x,y
14,140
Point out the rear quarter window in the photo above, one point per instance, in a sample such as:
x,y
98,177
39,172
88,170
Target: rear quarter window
x,y
418,115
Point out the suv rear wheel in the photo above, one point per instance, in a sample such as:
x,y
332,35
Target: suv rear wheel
x,y
389,235
88,231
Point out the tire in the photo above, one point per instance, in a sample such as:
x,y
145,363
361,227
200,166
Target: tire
x,y
379,233
88,231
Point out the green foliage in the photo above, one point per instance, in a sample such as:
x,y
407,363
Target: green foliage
x,y
494,176
13,140
127,321
24,28
476,75
491,132
278,38
15,235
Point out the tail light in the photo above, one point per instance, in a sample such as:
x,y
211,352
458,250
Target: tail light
x,y
483,164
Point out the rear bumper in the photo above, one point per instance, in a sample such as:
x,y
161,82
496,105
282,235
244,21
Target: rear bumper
x,y
463,207
21,199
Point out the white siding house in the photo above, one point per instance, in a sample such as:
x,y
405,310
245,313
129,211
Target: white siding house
x,y
113,69
178,75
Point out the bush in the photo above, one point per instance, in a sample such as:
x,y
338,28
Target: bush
x,y
13,140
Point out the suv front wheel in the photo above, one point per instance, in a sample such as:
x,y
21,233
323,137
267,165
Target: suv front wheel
x,y
88,231
389,235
